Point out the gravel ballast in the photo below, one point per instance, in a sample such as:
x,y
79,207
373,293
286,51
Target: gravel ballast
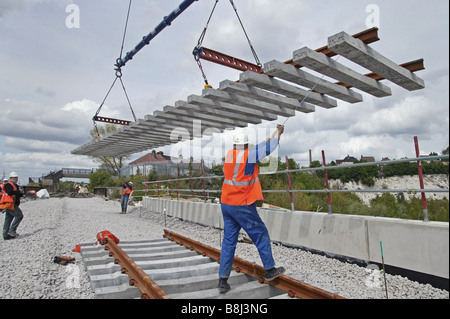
x,y
54,226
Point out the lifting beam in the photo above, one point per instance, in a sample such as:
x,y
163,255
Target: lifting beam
x,y
227,60
367,36
110,120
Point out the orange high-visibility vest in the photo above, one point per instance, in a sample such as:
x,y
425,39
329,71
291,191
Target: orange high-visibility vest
x,y
5,198
238,188
127,191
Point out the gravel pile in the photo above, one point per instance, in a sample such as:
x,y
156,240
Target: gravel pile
x,y
55,226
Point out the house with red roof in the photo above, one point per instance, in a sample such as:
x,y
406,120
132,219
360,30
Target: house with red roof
x,y
162,165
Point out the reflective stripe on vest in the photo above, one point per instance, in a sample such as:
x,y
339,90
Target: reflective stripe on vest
x,y
248,183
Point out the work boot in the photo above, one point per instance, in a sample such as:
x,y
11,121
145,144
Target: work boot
x,y
273,273
223,285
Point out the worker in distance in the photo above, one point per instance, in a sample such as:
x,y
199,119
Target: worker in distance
x,y
127,188
240,191
9,202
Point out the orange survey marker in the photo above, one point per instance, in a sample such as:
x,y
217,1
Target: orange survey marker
x,y
77,249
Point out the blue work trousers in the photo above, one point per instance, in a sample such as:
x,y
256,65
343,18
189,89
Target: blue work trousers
x,y
124,202
235,218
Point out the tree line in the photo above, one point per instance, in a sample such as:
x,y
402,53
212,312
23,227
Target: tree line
x,y
367,174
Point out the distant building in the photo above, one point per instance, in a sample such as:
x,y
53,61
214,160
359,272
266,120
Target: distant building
x,y
162,165
368,159
348,160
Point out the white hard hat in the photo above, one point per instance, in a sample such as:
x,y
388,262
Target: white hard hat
x,y
131,183
240,139
13,174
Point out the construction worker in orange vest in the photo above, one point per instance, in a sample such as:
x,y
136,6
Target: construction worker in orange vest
x,y
14,216
2,191
2,185
240,191
127,189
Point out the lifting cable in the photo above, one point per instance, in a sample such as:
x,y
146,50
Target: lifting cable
x,y
246,35
118,76
198,49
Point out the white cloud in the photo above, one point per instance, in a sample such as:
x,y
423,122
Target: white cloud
x,y
36,164
414,114
37,122
22,144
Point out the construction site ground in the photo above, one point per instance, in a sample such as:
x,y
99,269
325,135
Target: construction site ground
x,y
53,227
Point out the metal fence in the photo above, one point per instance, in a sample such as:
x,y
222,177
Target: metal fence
x,y
206,192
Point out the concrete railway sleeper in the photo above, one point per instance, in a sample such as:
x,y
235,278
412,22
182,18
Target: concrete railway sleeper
x,y
177,267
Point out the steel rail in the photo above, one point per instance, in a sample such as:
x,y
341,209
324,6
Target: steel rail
x,y
138,278
294,288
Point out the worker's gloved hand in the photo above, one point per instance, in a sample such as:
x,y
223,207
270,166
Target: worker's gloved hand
x,y
280,129
277,133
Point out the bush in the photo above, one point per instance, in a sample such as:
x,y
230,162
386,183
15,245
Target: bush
x,y
100,179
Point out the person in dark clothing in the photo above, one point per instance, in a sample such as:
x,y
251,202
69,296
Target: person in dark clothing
x,y
12,217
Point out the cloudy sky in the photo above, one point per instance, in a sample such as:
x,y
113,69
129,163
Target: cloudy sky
x,y
55,73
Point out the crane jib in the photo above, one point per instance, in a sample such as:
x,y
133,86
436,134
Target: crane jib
x,y
146,40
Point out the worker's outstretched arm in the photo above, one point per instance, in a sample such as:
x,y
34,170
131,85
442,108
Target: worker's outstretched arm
x,y
265,148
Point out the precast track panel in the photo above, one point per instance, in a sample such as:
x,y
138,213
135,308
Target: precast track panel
x,y
178,271
181,268
357,51
282,90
